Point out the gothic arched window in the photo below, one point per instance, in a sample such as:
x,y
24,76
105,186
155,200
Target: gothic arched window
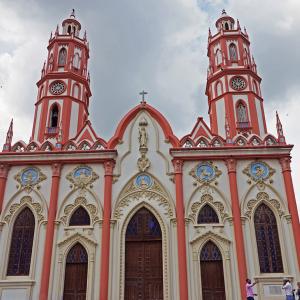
x,y
54,116
207,215
233,52
62,57
76,91
219,89
80,217
226,26
76,61
69,29
21,244
267,239
218,57
241,111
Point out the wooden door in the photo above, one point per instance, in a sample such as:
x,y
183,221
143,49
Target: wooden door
x,y
76,274
143,258
212,275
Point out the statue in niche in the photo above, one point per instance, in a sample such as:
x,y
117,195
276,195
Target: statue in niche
x,y
241,112
143,137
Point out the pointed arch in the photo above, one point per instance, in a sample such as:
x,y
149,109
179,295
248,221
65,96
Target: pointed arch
x,y
242,116
76,61
18,147
207,215
54,115
47,146
161,120
80,217
219,88
76,91
19,260
267,240
233,52
62,56
33,146
202,142
218,57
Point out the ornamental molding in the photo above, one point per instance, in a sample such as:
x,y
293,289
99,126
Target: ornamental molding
x,y
205,172
207,199
81,177
220,240
143,186
259,171
29,177
25,201
262,197
80,201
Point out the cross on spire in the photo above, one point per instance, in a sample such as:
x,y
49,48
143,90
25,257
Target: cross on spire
x,y
143,93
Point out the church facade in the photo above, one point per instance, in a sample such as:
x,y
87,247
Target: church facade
x,y
148,215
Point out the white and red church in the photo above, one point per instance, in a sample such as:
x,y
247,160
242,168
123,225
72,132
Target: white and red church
x,y
148,215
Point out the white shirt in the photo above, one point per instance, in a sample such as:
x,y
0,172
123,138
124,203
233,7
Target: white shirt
x,y
288,289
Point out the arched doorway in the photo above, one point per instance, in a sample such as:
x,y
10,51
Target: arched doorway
x,y
76,273
212,275
143,258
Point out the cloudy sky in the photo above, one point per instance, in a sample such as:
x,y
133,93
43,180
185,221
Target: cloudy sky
x,y
156,45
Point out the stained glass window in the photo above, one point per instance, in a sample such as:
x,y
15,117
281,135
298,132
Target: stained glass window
x,y
207,215
143,226
21,244
77,254
80,217
267,239
210,252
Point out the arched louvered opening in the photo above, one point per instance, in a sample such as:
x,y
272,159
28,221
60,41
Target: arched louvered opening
x,y
233,52
76,271
212,274
19,260
143,257
54,116
80,217
267,240
207,215
62,57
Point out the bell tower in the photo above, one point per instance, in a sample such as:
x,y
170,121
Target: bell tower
x,y
233,85
63,96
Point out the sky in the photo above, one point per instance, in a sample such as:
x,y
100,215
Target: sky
x,y
154,45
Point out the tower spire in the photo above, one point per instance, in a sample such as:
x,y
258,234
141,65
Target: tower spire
x,y
9,136
281,137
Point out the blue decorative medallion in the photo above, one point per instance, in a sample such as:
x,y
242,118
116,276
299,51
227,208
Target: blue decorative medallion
x,y
259,171
205,172
30,176
82,173
143,181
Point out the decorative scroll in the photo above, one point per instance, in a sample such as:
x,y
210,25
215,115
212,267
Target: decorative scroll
x,y
30,177
205,172
259,171
82,176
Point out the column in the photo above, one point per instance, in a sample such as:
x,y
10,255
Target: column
x,y
182,266
237,225
3,178
50,232
104,275
291,200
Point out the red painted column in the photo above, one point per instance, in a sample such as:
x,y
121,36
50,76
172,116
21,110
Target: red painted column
x,y
181,241
50,232
237,225
104,275
291,200
3,178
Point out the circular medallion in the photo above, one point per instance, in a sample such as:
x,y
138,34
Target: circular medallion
x,y
30,176
143,181
238,83
205,172
82,173
259,171
57,87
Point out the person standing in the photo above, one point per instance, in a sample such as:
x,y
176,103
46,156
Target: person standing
x,y
288,289
249,289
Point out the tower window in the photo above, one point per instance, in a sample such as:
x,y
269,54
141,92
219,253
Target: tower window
x,y
219,89
76,61
69,29
242,112
218,57
62,57
233,52
54,116
226,26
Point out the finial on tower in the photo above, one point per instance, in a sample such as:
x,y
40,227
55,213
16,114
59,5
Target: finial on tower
x,y
238,24
143,93
281,137
57,30
72,15
223,12
9,136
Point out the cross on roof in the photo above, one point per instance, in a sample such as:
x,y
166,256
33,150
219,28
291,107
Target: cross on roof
x,y
143,93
